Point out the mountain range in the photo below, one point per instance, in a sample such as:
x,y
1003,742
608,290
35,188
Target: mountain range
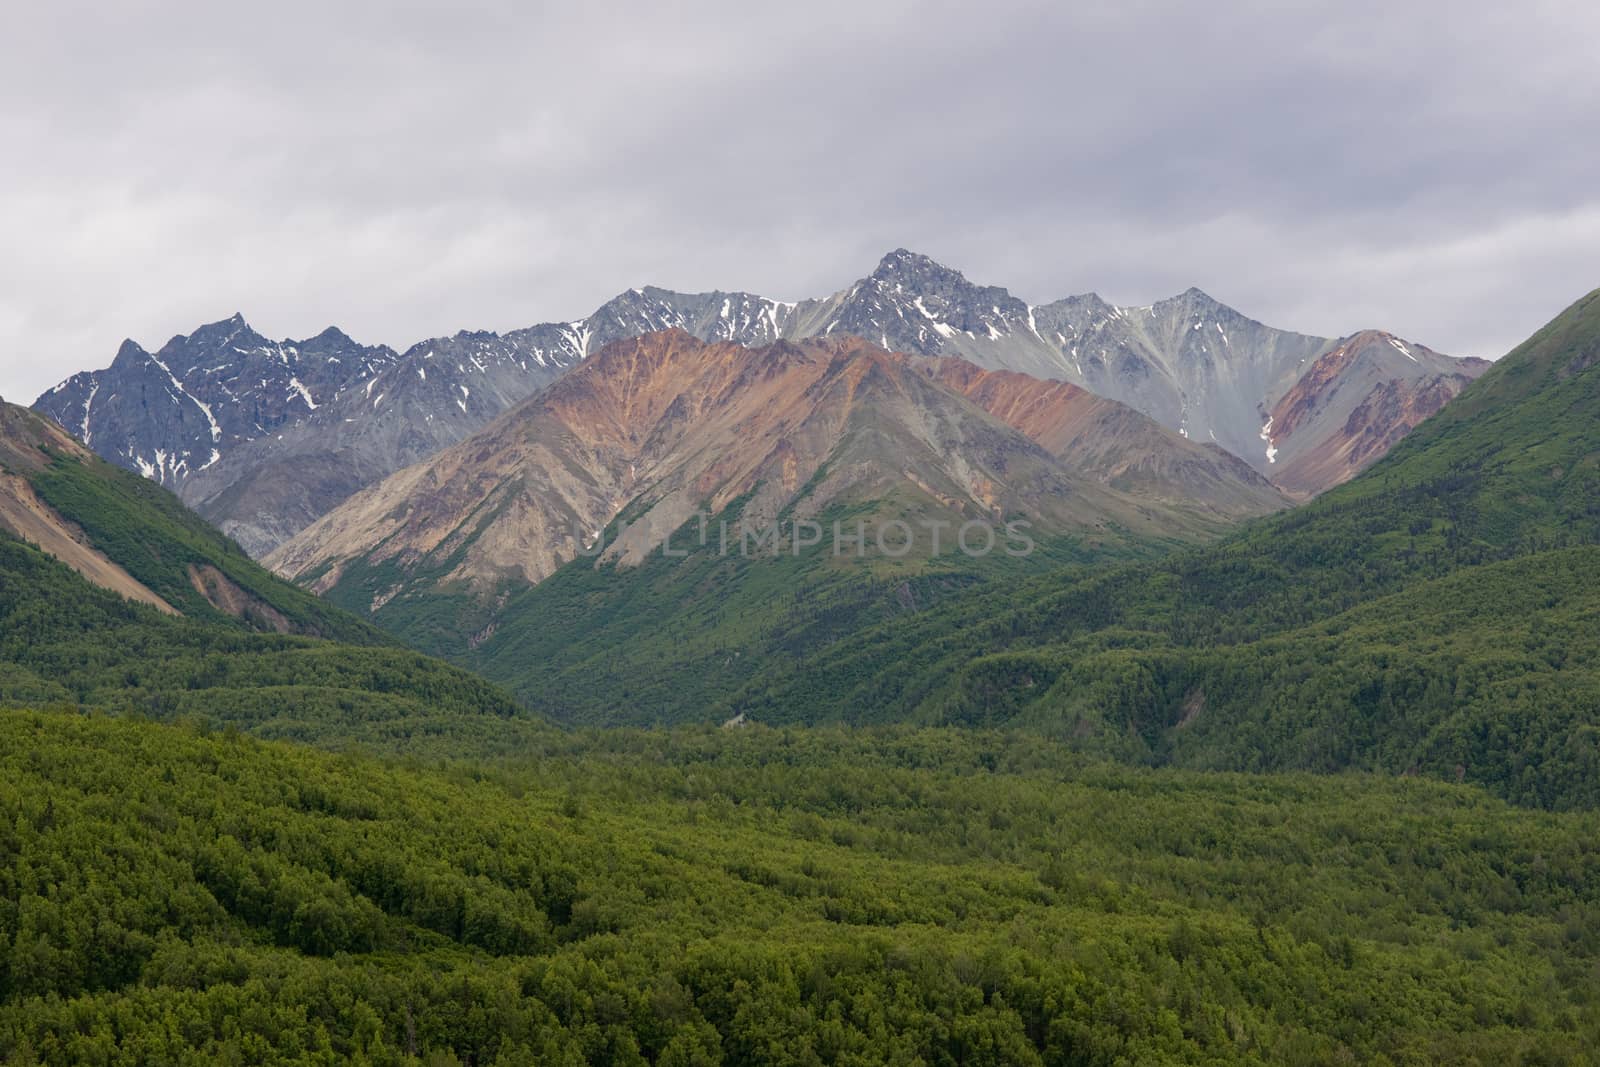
x,y
264,437
1433,613
666,429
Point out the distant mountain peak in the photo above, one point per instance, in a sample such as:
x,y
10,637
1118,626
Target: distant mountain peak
x,y
173,413
906,257
129,351
220,332
235,321
1194,297
904,264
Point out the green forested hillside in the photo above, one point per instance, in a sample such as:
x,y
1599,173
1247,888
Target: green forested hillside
x,y
65,641
163,544
667,640
126,533
774,897
247,649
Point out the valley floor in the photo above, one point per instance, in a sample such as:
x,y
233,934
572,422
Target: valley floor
x,y
172,895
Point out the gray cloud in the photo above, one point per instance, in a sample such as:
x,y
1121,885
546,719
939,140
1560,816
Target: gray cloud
x,y
405,170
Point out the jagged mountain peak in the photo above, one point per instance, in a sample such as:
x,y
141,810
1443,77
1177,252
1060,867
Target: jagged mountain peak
x,y
174,413
902,271
129,351
1196,301
331,335
903,262
219,332
1090,301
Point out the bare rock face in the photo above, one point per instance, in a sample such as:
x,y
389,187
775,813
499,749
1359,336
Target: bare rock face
x,y
1355,403
432,396
1191,363
177,412
264,437
1116,444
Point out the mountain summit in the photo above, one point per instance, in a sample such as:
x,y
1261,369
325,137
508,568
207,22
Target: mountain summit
x,y
171,414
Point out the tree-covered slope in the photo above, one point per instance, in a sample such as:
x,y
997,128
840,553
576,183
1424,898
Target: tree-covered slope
x,y
207,634
666,640
127,534
816,897
64,641
178,555
1335,635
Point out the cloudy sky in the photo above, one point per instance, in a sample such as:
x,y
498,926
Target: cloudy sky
x,y
404,170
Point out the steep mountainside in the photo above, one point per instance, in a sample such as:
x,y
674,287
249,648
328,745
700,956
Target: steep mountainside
x,y
438,392
1351,407
1188,362
125,534
1110,440
87,617
1192,364
1437,613
27,442
115,597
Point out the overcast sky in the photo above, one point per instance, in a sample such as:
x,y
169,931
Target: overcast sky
x,y
405,170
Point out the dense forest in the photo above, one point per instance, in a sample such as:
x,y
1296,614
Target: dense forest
x,y
740,896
